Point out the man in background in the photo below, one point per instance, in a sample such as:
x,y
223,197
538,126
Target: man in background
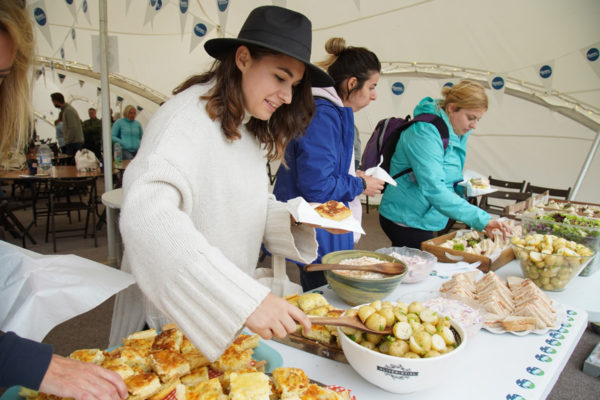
x,y
72,130
92,133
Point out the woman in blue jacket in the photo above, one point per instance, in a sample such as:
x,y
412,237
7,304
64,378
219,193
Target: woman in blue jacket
x,y
128,133
427,197
320,165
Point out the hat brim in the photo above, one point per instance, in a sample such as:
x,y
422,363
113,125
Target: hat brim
x,y
218,47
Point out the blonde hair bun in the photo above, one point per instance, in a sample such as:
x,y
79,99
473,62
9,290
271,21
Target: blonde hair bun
x,y
335,46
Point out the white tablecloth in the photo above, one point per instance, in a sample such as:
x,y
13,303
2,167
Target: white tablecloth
x,y
500,366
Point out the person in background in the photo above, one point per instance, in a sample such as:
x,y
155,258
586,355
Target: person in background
x,y
22,361
426,198
60,138
357,148
128,133
92,133
320,165
196,204
72,130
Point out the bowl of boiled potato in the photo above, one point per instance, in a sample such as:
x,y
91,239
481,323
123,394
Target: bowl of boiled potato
x,y
422,347
550,261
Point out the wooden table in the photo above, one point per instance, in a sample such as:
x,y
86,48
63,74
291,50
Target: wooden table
x,y
56,172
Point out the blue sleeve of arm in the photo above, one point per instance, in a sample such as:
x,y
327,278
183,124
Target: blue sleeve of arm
x,y
425,154
317,157
22,361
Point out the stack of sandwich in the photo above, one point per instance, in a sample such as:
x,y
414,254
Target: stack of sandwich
x,y
167,366
519,305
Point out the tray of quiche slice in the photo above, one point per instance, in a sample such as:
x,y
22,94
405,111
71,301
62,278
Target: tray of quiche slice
x,y
167,366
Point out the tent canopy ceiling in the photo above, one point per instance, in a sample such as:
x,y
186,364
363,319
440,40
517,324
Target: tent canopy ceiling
x,y
416,40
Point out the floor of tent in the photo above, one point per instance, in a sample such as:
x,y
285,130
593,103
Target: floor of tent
x,y
91,330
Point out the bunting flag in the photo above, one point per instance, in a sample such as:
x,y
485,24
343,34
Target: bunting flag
x,y
61,77
139,108
98,90
150,12
127,4
199,31
357,3
38,73
72,9
447,83
280,3
38,11
112,53
74,38
498,84
592,55
398,90
84,7
545,72
223,6
62,53
81,83
183,14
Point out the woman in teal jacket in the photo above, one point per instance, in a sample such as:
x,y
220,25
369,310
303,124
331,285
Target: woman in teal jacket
x,y
427,197
128,133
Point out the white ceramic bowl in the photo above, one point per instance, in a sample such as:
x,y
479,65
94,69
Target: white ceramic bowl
x,y
416,271
397,374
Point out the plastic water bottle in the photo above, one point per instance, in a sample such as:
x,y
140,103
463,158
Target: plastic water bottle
x,y
118,155
44,157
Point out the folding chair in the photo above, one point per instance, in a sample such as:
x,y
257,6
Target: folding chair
x,y
560,193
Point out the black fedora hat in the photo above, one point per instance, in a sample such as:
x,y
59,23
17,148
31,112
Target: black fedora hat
x,y
278,29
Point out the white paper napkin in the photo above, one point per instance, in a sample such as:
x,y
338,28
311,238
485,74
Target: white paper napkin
x,y
304,212
380,173
40,292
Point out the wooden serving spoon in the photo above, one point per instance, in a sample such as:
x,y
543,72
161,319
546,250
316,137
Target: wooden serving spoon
x,y
351,322
388,268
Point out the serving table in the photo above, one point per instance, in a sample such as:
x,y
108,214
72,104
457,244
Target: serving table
x,y
502,366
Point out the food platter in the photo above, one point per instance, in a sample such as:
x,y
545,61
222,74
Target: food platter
x,y
561,314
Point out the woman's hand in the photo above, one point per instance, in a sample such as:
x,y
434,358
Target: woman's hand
x,y
82,381
276,317
374,185
503,226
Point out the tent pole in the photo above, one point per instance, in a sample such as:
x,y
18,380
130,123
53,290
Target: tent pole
x,y
106,127
585,166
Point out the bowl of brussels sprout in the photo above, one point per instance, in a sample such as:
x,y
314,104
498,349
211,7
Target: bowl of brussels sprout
x,y
422,347
550,261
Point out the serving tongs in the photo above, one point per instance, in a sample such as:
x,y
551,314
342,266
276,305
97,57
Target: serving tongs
x,y
388,268
351,322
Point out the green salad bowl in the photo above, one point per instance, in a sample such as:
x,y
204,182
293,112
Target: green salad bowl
x,y
360,290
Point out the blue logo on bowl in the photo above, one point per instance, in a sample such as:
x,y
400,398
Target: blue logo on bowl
x,y
525,383
398,88
566,324
545,71
548,350
571,312
557,335
535,371
592,54
553,342
562,330
40,16
543,358
514,397
397,371
498,83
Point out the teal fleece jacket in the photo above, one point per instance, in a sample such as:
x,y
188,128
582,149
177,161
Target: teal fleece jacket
x,y
426,198
127,133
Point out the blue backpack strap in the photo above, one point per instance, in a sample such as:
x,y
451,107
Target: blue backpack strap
x,y
441,127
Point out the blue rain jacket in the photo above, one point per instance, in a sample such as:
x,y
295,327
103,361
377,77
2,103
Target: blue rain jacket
x,y
318,165
426,198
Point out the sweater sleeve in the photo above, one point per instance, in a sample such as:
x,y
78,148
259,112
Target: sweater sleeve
x,y
190,281
296,243
22,361
115,132
317,155
425,153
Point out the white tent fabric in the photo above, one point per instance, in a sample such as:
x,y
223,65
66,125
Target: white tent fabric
x,y
540,130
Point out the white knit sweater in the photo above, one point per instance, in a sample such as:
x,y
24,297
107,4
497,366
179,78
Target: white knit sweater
x,y
196,209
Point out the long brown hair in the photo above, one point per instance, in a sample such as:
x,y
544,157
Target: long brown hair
x,y
225,102
15,104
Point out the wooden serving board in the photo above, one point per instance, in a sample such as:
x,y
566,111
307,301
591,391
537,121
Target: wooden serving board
x,y
330,351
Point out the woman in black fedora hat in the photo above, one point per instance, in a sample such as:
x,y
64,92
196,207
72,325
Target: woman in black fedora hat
x,y
196,202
